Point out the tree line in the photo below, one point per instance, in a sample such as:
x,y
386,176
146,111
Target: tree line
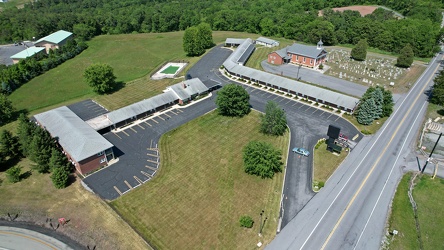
x,y
12,77
297,20
35,143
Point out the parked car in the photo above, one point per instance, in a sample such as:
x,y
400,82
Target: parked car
x,y
301,151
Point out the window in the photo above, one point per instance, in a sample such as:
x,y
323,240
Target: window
x,y
304,59
311,61
297,58
100,153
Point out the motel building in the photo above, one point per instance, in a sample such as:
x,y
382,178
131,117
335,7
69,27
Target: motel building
x,y
304,55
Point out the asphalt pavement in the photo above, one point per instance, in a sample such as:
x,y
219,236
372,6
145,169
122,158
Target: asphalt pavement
x,y
6,51
350,212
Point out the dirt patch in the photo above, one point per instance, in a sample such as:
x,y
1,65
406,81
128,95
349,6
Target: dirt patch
x,y
363,10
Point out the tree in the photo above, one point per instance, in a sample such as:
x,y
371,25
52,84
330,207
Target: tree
x,y
378,97
6,109
233,100
437,96
387,107
367,112
205,35
57,159
60,177
405,58
192,45
41,148
359,52
274,121
100,77
25,133
9,144
13,174
262,159
83,31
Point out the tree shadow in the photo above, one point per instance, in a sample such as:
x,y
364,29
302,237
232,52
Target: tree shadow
x,y
9,163
117,86
440,112
25,175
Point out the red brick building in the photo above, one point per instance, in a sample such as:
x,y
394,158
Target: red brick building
x,y
309,56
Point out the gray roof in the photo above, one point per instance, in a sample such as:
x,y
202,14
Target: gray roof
x,y
231,64
141,107
55,37
76,137
247,53
305,50
282,53
234,41
266,40
193,86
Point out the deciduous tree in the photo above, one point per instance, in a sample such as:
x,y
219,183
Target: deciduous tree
x,y
205,35
192,45
274,122
262,159
100,77
233,100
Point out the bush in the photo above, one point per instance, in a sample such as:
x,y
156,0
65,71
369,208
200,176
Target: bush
x,y
321,66
246,221
13,174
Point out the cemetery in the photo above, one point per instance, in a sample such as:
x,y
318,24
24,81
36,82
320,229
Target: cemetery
x,y
376,70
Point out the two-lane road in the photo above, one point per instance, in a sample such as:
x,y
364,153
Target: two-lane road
x,y
351,210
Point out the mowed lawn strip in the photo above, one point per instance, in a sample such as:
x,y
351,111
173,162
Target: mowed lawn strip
x,y
92,221
325,162
427,194
133,57
201,191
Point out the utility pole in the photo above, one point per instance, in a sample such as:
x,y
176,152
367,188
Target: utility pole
x,y
430,156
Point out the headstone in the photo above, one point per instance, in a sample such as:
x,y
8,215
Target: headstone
x,y
340,75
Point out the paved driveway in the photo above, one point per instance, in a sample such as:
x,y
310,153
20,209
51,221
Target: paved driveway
x,y
316,78
307,125
6,51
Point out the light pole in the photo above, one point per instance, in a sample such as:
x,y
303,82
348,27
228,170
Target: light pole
x,y
299,67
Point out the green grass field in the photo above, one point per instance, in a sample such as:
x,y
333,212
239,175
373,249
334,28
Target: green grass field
x,y
428,195
133,57
201,191
325,163
170,70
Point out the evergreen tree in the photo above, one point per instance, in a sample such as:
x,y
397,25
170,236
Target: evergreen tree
x,y
57,159
274,121
405,58
378,97
6,109
25,133
437,96
41,148
9,144
60,177
387,107
262,159
13,174
366,114
233,100
359,52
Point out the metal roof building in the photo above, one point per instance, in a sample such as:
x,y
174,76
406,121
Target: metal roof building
x,y
321,95
76,137
267,42
233,41
305,50
56,37
27,53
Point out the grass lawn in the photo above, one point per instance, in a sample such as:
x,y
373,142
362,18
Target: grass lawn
x,y
93,222
325,163
170,70
201,191
133,57
428,194
369,129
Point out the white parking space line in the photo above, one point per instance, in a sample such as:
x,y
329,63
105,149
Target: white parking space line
x,y
151,155
280,100
295,103
117,136
329,116
308,108
146,174
315,111
173,112
148,160
167,115
289,102
148,124
322,113
135,131
181,111
138,180
141,126
125,133
149,167
154,120
128,184
118,191
337,118
276,97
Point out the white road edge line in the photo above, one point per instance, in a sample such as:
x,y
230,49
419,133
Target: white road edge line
x,y
391,171
359,165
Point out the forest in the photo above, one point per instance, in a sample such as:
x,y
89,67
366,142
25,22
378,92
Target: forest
x,y
292,19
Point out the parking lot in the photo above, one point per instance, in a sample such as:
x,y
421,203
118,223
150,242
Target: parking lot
x,y
6,51
136,148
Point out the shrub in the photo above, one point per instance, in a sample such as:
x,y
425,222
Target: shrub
x,y
321,66
246,221
13,174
